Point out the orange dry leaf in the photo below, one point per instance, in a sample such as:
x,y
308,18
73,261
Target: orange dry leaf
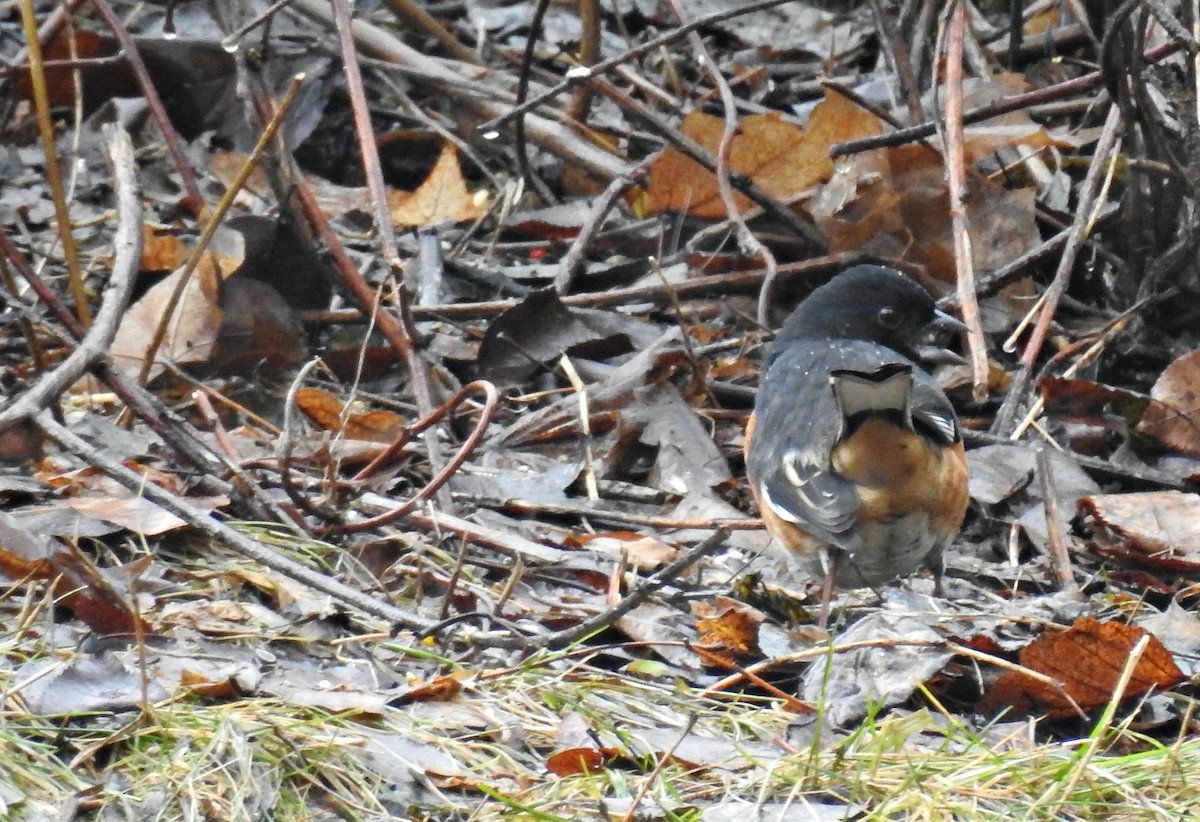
x,y
1087,661
578,749
328,412
438,689
781,158
443,196
729,626
161,251
894,204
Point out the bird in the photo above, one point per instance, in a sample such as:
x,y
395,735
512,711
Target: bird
x,y
853,452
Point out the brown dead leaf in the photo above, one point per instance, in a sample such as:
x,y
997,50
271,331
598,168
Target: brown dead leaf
x,y
330,414
193,332
783,159
1005,130
728,626
1092,402
78,584
536,332
1174,417
136,514
1087,660
443,196
438,689
577,749
894,204
1154,529
644,552
228,324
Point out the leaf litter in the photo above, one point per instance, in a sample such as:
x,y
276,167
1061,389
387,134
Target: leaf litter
x,y
514,606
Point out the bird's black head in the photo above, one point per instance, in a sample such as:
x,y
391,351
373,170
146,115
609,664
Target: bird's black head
x,y
868,302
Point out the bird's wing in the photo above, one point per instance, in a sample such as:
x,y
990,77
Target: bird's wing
x,y
796,427
932,414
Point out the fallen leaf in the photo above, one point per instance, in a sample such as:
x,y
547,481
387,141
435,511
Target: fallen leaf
x,y
1087,661
728,626
330,414
78,584
783,159
1174,417
1154,529
443,196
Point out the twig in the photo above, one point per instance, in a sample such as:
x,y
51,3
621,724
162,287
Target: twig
x,y
127,247
628,57
520,149
957,177
601,205
414,13
1056,539
746,237
585,427
367,145
207,524
653,292
443,476
610,615
898,57
153,101
619,517
1005,105
62,212
665,757
485,535
1085,216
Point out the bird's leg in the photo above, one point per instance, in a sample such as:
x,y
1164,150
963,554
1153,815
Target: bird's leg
x,y
830,560
935,561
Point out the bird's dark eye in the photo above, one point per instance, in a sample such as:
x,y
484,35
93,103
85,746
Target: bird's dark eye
x,y
888,318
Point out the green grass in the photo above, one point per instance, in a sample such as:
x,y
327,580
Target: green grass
x,y
260,758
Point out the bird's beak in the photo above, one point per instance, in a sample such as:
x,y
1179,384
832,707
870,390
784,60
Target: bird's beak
x,y
932,353
943,323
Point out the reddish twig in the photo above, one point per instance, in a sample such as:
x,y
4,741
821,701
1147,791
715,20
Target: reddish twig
x,y
1004,105
153,101
491,400
956,172
366,141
